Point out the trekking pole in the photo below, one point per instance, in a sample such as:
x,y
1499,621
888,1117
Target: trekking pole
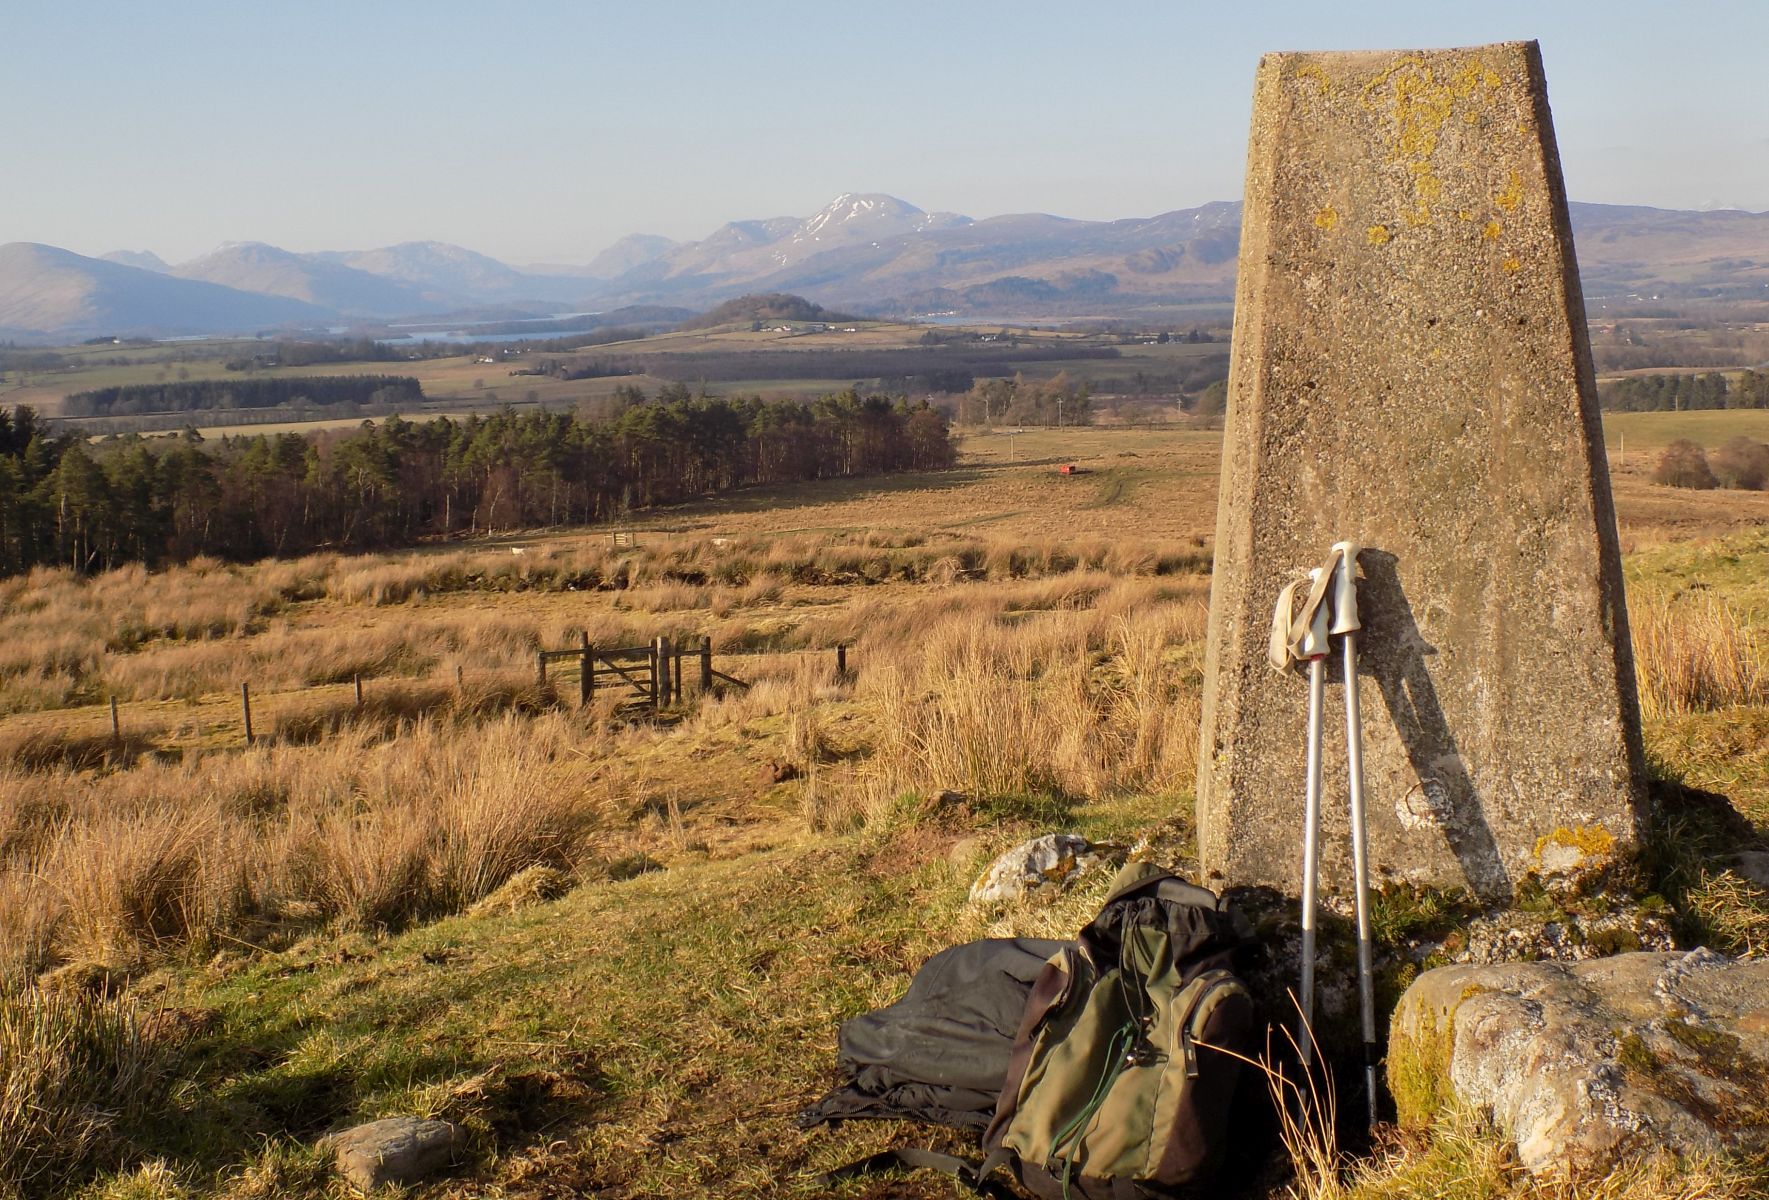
x,y
1313,650
1346,623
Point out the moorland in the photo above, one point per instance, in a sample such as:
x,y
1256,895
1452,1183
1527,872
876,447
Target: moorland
x,y
612,943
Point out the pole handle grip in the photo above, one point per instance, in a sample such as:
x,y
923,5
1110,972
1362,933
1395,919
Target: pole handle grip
x,y
1345,617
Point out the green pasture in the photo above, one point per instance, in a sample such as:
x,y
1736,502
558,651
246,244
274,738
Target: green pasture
x,y
1653,431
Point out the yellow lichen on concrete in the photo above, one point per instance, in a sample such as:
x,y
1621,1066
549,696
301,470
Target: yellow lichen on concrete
x,y
1313,73
1327,218
1491,232
1377,235
1576,847
1512,195
1512,266
1421,104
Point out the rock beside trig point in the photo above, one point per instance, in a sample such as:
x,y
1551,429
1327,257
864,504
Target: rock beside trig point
x,y
1411,370
1587,1064
397,1150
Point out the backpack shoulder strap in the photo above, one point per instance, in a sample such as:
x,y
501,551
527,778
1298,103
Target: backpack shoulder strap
x,y
1049,991
975,1176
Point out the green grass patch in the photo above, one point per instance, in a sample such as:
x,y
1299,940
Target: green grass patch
x,y
1653,431
1735,567
652,1037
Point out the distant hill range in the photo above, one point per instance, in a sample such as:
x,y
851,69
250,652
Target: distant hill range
x,y
51,293
873,254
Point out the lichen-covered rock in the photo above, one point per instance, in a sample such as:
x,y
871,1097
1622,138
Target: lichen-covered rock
x,y
1444,930
1509,935
1585,1063
398,1150
1043,862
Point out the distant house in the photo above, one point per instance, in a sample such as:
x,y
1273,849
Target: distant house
x,y
1070,469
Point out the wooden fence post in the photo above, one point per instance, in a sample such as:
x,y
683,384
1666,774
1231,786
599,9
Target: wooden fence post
x,y
246,708
656,668
663,665
841,660
116,728
586,687
706,665
358,681
541,668
677,682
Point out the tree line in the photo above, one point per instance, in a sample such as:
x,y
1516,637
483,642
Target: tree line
x,y
285,352
194,395
66,501
1019,401
1686,393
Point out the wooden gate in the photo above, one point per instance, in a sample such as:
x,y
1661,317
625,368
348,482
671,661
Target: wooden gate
x,y
652,675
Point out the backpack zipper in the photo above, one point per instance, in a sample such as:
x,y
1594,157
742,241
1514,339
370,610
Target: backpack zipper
x,y
1191,1027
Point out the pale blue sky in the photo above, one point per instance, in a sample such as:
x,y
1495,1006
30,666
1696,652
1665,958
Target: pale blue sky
x,y
542,131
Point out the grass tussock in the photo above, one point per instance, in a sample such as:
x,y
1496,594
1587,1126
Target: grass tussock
x,y
1695,653
226,850
1688,859
53,748
388,709
76,1074
1081,703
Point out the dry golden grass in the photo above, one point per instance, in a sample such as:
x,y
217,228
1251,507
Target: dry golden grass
x,y
1464,1159
201,629
74,1068
1695,652
116,870
1079,703
1074,680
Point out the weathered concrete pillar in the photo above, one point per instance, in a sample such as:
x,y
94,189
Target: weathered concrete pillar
x,y
1411,370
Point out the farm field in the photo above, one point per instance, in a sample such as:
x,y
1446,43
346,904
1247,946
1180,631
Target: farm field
x,y
615,945
461,383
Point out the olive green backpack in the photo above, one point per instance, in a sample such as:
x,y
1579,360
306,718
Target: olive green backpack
x,y
1126,1061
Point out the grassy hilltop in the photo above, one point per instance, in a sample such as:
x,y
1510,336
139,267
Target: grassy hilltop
x,y
615,946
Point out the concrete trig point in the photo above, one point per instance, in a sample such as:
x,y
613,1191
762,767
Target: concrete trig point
x,y
1411,370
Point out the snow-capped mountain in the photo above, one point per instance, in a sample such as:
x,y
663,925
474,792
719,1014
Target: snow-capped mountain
x,y
861,251
876,251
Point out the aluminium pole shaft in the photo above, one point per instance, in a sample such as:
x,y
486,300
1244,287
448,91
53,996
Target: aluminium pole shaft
x,y
1346,624
1360,865
1311,838
1314,646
